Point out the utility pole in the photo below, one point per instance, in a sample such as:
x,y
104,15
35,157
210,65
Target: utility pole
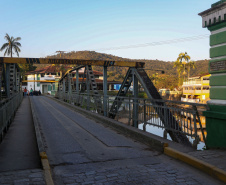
x,y
60,52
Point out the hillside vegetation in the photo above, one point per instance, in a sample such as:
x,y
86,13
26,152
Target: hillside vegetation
x,y
153,67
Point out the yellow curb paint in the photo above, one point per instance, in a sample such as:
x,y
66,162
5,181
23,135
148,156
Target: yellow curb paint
x,y
165,145
48,178
43,155
220,174
47,173
205,167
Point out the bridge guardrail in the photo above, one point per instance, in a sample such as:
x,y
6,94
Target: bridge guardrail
x,y
187,115
8,109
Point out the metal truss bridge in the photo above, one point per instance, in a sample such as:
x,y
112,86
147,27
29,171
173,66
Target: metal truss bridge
x,y
177,120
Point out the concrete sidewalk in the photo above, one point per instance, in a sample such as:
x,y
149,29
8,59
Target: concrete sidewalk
x,y
19,156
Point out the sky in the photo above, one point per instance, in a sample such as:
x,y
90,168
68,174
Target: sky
x,y
124,28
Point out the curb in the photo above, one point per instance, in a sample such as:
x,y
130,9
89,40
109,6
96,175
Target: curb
x,y
42,153
199,164
153,141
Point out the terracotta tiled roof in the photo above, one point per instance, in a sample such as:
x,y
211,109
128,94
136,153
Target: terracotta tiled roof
x,y
97,81
47,69
53,69
94,72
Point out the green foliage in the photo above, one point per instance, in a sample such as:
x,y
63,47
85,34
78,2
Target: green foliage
x,y
11,45
25,68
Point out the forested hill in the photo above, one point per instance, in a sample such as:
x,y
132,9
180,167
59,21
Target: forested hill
x,y
153,68
201,65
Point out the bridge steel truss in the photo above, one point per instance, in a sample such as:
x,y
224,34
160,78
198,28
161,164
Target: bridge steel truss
x,y
10,79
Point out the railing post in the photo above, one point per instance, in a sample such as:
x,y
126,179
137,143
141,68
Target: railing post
x,y
135,101
129,112
145,119
105,90
88,89
196,141
7,76
200,124
77,85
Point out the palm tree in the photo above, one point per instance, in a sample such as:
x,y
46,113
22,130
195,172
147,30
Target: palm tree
x,y
190,65
179,67
11,44
184,58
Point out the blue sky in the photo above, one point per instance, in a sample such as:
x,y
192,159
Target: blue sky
x,y
46,26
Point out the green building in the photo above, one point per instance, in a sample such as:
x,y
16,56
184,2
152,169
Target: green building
x,y
214,19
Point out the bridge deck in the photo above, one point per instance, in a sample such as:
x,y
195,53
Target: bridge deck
x,y
81,150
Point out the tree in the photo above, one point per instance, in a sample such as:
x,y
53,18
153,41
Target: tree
x,y
179,67
184,59
25,68
11,44
190,65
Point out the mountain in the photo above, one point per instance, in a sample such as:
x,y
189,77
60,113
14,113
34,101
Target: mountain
x,y
153,68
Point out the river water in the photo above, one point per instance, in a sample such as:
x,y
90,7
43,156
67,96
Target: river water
x,y
159,132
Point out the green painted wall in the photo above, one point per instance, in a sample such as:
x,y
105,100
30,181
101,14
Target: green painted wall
x,y
216,126
217,93
216,135
218,80
218,51
217,26
217,3
218,38
218,108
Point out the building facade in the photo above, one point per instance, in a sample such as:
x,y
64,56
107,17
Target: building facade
x,y
214,19
196,89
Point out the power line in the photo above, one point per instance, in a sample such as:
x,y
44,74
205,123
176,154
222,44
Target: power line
x,y
185,39
158,43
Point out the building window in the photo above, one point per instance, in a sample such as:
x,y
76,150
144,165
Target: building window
x,y
49,87
214,20
205,23
224,16
219,19
209,21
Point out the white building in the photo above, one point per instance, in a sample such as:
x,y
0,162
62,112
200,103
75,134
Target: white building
x,y
44,79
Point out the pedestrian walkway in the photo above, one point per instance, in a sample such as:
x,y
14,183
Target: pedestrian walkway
x,y
19,157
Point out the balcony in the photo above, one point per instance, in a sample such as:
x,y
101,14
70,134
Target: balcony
x,y
196,82
193,82
190,100
188,91
49,77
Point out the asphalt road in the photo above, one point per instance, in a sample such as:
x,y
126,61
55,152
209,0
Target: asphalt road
x,y
82,151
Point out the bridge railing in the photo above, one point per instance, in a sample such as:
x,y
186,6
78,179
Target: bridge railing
x,y
8,108
187,117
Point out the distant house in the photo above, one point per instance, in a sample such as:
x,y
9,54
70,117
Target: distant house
x,y
196,89
46,79
111,85
43,79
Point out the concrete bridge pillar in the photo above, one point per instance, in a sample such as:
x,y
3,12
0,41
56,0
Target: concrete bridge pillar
x,y
214,19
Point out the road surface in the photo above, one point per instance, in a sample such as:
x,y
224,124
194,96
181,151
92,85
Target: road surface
x,y
83,151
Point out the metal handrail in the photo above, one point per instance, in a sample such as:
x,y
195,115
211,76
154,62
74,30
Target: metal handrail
x,y
8,109
185,113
